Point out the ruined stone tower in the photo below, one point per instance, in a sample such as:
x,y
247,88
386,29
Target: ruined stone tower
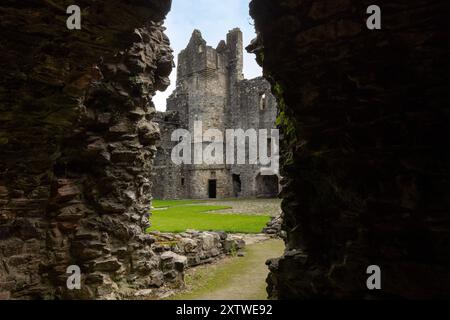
x,y
211,88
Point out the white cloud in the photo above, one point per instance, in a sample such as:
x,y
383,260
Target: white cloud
x,y
214,18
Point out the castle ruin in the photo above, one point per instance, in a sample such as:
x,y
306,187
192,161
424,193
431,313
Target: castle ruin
x,y
211,88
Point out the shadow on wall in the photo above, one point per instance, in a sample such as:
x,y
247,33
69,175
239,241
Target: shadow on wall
x,y
364,115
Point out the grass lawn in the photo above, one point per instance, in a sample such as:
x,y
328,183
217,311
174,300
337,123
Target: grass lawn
x,y
172,203
182,215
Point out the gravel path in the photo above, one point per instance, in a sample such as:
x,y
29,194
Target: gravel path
x,y
235,278
250,206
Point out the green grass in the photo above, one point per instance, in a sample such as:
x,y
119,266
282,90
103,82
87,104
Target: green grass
x,y
209,278
172,203
179,217
233,278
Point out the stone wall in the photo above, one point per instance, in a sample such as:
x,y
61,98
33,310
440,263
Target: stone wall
x,y
76,144
365,152
257,109
169,179
198,247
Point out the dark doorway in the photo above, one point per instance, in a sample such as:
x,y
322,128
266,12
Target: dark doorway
x,y
267,186
212,189
237,185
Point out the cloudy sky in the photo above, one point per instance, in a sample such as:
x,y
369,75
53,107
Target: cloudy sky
x,y
214,19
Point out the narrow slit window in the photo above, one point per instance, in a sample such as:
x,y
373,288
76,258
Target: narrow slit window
x,y
263,102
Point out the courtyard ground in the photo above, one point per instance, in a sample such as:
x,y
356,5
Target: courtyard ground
x,y
236,278
243,216
269,207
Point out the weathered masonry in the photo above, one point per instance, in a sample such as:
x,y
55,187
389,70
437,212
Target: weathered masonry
x,y
76,144
366,153
211,88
